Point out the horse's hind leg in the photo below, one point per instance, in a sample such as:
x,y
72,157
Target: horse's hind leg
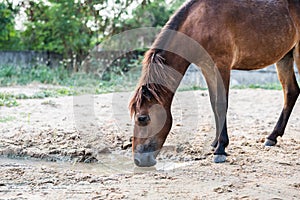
x,y
291,92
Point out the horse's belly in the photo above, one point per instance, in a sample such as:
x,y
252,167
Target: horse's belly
x,y
262,56
263,49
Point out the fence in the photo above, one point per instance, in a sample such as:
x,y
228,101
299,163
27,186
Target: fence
x,y
98,61
266,75
29,58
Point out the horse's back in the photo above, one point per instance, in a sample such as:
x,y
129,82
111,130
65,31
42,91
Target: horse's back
x,y
264,34
246,34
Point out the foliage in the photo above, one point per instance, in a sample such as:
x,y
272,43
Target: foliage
x,y
74,83
267,86
151,14
9,37
59,28
70,27
193,87
129,62
69,83
8,100
80,83
12,75
73,27
7,119
39,95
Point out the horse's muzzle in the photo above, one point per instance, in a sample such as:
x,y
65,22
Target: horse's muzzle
x,y
144,159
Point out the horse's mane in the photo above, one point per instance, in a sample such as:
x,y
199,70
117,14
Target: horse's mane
x,y
156,75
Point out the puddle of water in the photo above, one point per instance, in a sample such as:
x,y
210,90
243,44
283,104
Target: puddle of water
x,y
107,165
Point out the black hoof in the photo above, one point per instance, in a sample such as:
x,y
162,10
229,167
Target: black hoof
x,y
219,158
269,143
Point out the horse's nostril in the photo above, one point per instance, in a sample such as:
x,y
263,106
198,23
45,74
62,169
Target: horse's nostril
x,y
144,159
143,118
137,161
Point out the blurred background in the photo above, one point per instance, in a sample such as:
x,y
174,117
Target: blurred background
x,y
61,43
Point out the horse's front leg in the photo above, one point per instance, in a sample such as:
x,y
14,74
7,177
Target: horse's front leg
x,y
221,141
218,85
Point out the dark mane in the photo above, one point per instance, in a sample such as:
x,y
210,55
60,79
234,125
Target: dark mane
x,y
179,16
174,24
156,75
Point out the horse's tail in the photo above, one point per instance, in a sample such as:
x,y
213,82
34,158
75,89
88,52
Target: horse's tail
x,y
297,55
294,7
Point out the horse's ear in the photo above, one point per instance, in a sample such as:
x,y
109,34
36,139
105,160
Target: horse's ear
x,y
146,93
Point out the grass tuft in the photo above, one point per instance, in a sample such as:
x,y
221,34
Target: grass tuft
x,y
8,100
80,83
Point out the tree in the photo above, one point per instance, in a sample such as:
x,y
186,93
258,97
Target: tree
x,y
9,38
59,27
151,13
73,27
70,27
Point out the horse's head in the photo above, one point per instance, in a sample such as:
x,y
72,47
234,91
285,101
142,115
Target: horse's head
x,y
152,123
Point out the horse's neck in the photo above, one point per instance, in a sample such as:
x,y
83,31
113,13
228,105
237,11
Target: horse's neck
x,y
176,62
164,73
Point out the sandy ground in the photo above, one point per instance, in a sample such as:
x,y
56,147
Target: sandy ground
x,y
78,148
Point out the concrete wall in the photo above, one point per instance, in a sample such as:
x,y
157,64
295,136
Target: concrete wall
x,y
29,58
194,77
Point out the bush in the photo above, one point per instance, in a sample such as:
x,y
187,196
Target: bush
x,y
76,83
11,75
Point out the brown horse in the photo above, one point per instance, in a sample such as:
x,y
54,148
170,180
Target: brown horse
x,y
217,36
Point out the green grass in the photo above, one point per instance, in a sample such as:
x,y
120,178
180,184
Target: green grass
x,y
50,103
39,95
193,87
71,83
268,86
8,100
11,75
79,83
6,119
